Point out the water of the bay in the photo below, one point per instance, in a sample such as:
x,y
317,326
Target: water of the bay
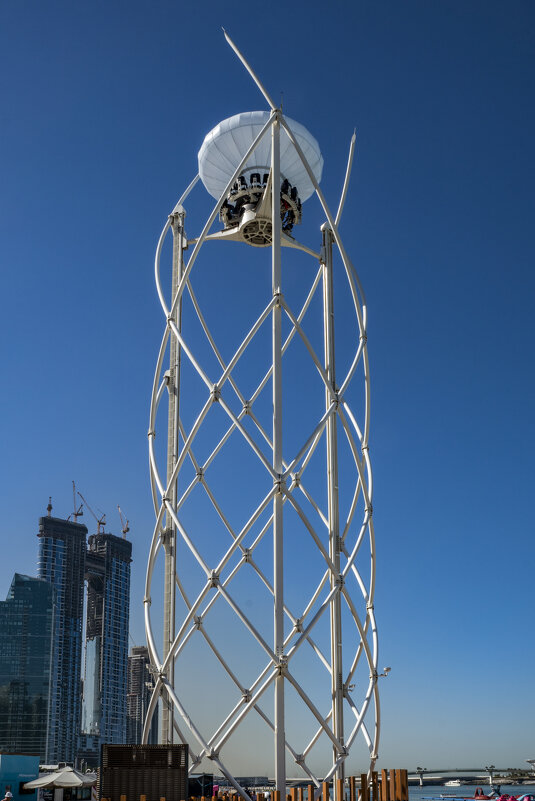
x,y
465,791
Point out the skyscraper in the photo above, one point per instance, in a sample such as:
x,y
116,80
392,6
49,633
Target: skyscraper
x,y
139,686
62,546
107,571
26,629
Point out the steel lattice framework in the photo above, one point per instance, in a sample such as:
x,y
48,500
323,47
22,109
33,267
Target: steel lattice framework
x,y
336,624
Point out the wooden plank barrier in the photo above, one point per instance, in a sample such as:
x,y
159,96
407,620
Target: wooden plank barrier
x,y
310,792
375,786
340,795
398,784
404,784
325,791
300,794
392,788
385,786
352,789
364,789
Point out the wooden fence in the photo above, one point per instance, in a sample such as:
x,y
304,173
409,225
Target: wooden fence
x,y
388,785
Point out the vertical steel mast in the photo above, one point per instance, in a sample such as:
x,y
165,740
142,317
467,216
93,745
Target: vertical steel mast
x,y
336,579
309,493
170,534
278,558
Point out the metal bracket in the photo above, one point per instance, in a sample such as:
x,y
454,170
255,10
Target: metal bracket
x,y
215,393
213,579
198,621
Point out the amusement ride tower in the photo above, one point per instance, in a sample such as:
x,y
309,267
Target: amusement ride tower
x,y
263,496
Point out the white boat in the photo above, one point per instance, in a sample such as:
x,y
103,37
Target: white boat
x,y
453,783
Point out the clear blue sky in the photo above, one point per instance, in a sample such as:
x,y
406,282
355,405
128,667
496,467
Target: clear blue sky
x,y
104,106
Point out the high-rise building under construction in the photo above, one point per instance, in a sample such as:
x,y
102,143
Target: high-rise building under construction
x,y
107,571
62,547
139,688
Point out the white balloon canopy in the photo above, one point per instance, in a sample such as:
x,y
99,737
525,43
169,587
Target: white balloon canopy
x,y
226,144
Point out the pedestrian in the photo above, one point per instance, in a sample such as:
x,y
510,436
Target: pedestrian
x,y
8,795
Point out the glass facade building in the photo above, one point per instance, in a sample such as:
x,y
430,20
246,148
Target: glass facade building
x,y
26,666
107,574
139,688
62,547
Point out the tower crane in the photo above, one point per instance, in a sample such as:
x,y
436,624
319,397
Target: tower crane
x,y
77,509
124,523
101,521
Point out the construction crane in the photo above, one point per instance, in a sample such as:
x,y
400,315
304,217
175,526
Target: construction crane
x,y
124,523
101,521
77,509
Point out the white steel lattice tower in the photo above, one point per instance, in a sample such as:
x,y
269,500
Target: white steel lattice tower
x,y
264,508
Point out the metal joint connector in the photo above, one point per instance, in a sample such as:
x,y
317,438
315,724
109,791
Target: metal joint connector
x,y
151,432
363,338
298,625
280,483
213,579
370,510
215,393
198,621
374,675
200,474
340,580
147,600
296,479
365,447
247,555
278,298
299,758
370,606
282,665
247,407
166,535
213,754
246,696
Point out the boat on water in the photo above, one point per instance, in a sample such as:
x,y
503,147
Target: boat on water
x,y
454,783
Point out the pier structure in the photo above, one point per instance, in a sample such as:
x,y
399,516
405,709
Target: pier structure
x,y
262,483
